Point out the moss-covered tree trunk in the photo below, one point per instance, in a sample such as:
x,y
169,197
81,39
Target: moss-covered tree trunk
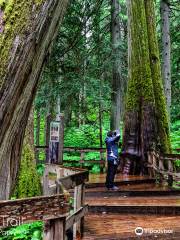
x,y
27,29
38,126
28,181
146,122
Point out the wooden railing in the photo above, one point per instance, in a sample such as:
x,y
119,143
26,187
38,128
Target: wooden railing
x,y
55,210
82,151
50,209
59,180
164,166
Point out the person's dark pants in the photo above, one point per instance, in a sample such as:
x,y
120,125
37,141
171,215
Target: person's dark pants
x,y
111,172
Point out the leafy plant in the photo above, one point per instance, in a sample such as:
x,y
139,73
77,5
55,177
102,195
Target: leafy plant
x,y
32,231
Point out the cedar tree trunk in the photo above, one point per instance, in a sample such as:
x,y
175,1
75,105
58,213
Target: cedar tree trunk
x,y
166,51
117,85
27,29
146,122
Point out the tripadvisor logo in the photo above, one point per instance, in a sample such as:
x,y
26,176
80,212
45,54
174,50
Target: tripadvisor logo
x,y
139,231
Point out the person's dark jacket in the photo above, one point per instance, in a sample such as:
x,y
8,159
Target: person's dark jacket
x,y
112,147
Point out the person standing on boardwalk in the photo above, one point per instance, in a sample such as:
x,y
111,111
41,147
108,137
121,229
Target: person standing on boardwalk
x,y
112,141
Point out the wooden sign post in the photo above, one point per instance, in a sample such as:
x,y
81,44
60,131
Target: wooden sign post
x,y
61,139
56,142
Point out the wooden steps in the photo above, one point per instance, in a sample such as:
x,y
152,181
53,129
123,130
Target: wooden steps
x,y
135,205
134,201
140,189
98,181
138,202
115,226
100,178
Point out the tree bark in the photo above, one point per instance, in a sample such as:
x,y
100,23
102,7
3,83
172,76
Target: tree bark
x,y
29,133
117,81
27,32
38,123
166,51
146,122
68,110
161,114
48,120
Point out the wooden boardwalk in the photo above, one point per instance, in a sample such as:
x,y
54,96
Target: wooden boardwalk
x,y
134,201
139,202
122,226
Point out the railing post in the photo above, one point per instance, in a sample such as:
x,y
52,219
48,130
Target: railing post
x,y
77,205
170,170
101,159
61,140
75,208
47,135
150,163
55,229
82,204
60,173
161,168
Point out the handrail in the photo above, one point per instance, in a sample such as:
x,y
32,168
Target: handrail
x,y
65,179
82,151
54,208
156,166
75,148
87,149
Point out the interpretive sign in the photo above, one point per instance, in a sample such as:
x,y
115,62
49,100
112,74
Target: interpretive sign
x,y
54,132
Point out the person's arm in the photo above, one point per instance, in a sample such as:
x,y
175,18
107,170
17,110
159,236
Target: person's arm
x,y
117,132
117,135
114,138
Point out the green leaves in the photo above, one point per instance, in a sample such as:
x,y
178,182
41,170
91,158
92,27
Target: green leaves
x,y
175,134
31,231
84,136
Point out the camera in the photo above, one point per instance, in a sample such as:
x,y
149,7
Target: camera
x,y
114,133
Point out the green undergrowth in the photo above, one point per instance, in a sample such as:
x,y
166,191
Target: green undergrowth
x,y
32,231
175,139
73,139
88,136
84,137
175,135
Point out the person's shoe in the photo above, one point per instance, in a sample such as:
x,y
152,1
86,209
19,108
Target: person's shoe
x,y
114,188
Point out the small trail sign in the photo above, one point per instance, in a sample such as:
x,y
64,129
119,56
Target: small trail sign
x,y
56,141
54,131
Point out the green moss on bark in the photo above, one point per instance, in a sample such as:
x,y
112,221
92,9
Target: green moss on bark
x,y
144,81
38,2
16,16
28,184
140,82
160,102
